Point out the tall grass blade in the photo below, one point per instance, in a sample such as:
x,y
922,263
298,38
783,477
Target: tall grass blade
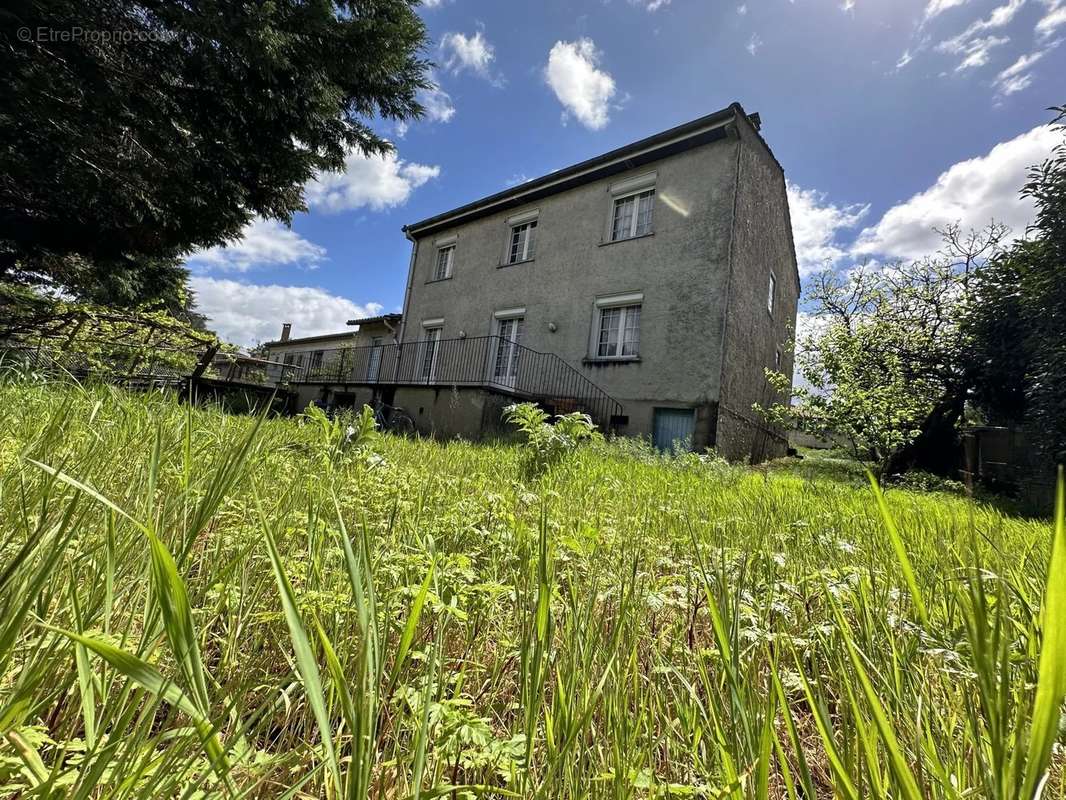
x,y
901,551
1051,684
149,678
306,664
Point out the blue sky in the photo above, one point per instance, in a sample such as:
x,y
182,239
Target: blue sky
x,y
889,117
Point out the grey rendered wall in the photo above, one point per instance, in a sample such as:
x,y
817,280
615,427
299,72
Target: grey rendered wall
x,y
762,242
453,411
681,270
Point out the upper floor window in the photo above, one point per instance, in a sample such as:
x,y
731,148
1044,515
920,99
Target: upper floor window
x,y
772,294
523,242
632,215
445,259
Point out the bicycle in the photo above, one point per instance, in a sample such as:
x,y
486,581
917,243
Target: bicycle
x,y
394,420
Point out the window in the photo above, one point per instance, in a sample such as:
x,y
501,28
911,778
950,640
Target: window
x,y
289,357
316,359
619,332
523,242
445,257
770,296
632,215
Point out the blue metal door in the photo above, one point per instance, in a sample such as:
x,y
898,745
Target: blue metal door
x,y
673,428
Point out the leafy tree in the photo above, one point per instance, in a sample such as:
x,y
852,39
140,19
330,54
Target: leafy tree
x,y
89,339
1016,325
135,131
885,369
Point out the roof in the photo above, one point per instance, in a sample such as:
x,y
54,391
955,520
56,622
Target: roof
x,y
326,337
386,319
669,142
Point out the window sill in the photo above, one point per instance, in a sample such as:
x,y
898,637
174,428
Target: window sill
x,y
439,280
516,263
627,239
601,361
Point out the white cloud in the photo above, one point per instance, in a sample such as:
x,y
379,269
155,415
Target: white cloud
x,y
376,182
245,314
438,107
1053,19
473,53
754,43
584,90
1018,76
742,9
935,7
847,5
816,223
904,59
431,3
438,104
650,5
972,45
976,52
972,193
263,243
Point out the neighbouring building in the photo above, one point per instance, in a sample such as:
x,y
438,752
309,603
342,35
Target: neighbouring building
x,y
336,369
651,287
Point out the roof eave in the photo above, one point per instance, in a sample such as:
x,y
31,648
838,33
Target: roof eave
x,y
565,178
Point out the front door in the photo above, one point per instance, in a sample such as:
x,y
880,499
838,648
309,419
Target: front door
x,y
373,367
674,428
509,336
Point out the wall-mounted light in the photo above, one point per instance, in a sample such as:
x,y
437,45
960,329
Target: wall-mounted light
x,y
553,327
462,334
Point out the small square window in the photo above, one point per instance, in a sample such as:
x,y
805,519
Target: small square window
x,y
632,215
772,293
445,257
523,242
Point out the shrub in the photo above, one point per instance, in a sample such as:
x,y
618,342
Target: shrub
x,y
547,442
338,436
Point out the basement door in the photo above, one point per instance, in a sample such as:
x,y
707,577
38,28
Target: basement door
x,y
673,428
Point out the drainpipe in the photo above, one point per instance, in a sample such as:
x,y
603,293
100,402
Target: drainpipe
x,y
406,295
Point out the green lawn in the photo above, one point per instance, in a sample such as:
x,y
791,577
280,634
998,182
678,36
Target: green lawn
x,y
190,607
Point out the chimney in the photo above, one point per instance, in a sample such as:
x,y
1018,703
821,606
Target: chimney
x,y
286,329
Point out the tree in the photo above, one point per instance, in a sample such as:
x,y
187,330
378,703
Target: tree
x,y
1016,325
136,132
885,368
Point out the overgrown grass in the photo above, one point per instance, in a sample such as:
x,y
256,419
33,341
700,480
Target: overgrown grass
x,y
201,605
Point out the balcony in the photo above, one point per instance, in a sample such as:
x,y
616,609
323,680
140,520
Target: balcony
x,y
486,362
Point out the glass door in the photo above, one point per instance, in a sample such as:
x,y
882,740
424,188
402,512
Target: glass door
x,y
373,367
431,337
509,337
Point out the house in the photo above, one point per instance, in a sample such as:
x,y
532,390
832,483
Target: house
x,y
651,287
333,359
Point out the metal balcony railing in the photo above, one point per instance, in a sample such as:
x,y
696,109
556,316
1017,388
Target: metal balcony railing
x,y
490,362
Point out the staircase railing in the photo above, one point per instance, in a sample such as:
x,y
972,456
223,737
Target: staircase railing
x,y
490,362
